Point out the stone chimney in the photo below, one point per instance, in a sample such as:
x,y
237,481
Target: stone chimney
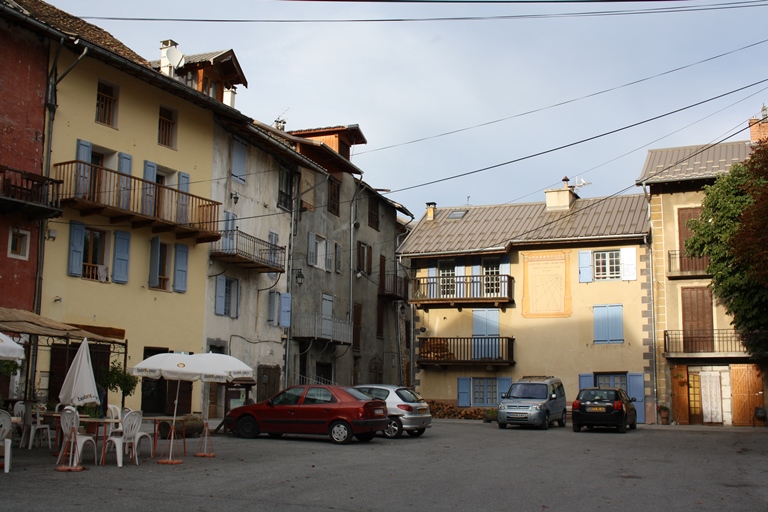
x,y
431,207
561,199
758,127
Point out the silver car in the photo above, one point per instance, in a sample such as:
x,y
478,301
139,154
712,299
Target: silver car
x,y
407,410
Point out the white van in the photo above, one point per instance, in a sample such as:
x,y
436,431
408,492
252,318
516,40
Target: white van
x,y
534,401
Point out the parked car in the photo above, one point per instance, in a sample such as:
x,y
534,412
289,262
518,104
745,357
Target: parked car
x,y
340,412
407,410
604,407
533,401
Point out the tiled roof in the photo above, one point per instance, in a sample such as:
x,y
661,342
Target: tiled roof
x,y
491,228
75,26
692,162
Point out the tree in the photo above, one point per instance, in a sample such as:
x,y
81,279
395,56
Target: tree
x,y
736,272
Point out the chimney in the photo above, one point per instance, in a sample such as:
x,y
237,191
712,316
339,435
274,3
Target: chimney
x,y
229,96
561,199
166,64
758,127
431,207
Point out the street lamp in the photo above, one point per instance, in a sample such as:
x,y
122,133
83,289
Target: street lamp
x,y
299,276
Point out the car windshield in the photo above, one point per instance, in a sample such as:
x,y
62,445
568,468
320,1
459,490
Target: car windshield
x,y
527,390
409,396
356,393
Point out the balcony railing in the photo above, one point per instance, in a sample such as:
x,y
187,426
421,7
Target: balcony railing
x,y
33,195
477,350
394,287
680,265
704,342
474,288
247,251
96,190
311,326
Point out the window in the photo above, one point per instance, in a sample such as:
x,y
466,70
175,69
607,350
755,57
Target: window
x,y
227,297
285,193
611,380
608,321
334,196
608,265
106,104
364,258
457,214
484,392
89,253
446,270
166,131
491,280
18,244
337,252
94,243
318,396
481,391
319,252
159,264
373,212
239,152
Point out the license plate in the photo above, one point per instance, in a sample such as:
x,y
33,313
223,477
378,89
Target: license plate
x,y
518,415
595,409
423,410
378,412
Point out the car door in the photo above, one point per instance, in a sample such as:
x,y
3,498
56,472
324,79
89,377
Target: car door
x,y
317,410
281,416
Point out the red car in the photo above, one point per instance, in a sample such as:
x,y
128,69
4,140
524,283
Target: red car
x,y
337,411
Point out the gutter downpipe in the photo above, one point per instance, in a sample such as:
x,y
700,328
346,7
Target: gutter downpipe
x,y
352,253
649,245
398,316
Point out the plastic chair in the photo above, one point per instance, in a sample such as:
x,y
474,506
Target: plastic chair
x,y
140,434
6,427
131,424
114,412
73,440
37,426
20,411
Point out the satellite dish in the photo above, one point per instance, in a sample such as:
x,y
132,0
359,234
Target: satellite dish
x,y
175,57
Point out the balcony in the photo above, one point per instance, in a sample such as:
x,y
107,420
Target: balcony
x,y
475,351
31,195
122,198
246,251
704,343
495,289
393,287
681,266
319,327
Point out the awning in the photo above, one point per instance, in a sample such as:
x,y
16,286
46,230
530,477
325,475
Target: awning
x,y
25,322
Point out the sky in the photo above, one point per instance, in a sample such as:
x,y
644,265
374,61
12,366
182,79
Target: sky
x,y
481,111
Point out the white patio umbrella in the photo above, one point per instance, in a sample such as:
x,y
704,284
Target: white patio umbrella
x,y
79,386
177,366
234,367
9,349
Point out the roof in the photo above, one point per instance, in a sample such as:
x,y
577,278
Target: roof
x,y
25,322
351,131
225,60
493,228
688,163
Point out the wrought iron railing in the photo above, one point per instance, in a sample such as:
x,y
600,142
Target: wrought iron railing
x,y
321,327
704,341
467,288
472,350
247,250
681,264
394,285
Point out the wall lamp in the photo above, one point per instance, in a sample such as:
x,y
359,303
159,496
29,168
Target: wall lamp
x,y
299,276
234,197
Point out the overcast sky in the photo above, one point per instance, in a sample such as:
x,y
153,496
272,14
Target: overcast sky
x,y
409,80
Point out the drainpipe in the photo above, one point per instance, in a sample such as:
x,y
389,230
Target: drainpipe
x,y
352,254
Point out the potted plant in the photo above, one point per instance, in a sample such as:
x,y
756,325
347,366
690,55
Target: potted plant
x,y
664,413
115,378
490,415
91,411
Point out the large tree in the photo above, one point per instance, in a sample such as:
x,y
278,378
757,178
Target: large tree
x,y
732,233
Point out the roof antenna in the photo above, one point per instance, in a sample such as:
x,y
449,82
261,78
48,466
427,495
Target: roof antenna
x,y
280,122
467,200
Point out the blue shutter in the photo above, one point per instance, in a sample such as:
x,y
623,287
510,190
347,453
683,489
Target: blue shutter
x,y
502,385
154,262
432,281
586,380
228,236
585,266
600,314
76,248
124,166
83,175
616,323
149,189
182,210
285,310
477,279
636,389
628,264
122,257
239,152
505,279
221,288
485,333
181,262
465,390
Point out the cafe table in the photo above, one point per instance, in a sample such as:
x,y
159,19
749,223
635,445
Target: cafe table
x,y
105,422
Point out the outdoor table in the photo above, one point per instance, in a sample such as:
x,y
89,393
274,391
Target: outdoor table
x,y
105,422
160,419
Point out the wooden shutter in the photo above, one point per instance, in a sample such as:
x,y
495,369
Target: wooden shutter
x,y
149,189
83,176
120,262
124,166
465,391
585,266
698,332
684,233
181,262
154,262
221,288
76,248
628,264
586,380
636,390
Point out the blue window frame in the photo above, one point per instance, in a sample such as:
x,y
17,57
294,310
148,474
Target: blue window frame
x,y
479,391
609,323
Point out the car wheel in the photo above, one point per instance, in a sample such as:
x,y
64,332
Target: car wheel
x,y
545,424
622,427
417,432
275,435
576,427
340,432
633,425
247,427
394,428
365,436
502,425
561,421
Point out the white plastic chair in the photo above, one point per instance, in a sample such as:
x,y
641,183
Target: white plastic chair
x,y
6,427
139,434
114,412
73,440
20,411
127,437
38,427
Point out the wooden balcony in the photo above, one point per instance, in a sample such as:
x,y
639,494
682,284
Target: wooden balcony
x,y
704,343
323,328
31,195
680,266
494,289
393,287
246,251
122,198
473,351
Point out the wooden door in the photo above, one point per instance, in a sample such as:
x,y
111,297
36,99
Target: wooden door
x,y
267,382
698,333
679,394
746,393
684,233
695,410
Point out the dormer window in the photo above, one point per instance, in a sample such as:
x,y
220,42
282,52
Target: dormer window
x,y
457,214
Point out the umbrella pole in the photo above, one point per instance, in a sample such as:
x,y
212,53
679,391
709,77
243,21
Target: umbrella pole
x,y
173,425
